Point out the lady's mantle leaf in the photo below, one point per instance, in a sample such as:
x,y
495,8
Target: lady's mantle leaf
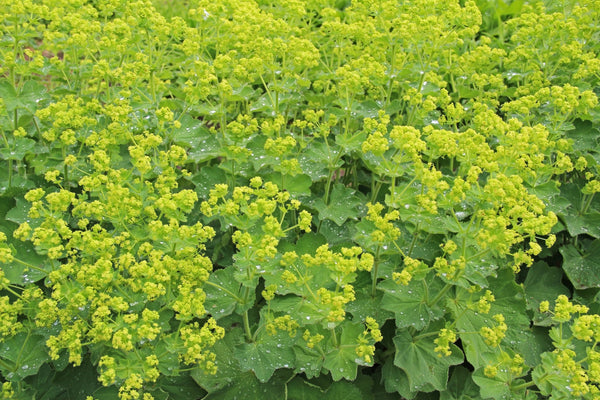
x,y
266,354
460,386
510,303
410,302
22,355
222,293
342,205
16,271
228,368
543,283
588,224
550,379
341,360
247,387
582,268
423,366
396,380
494,388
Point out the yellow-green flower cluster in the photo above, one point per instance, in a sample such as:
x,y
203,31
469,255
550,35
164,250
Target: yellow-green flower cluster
x,y
445,338
366,341
493,336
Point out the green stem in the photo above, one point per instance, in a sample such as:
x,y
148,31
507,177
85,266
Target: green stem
x,y
440,294
247,330
334,337
375,271
587,203
525,385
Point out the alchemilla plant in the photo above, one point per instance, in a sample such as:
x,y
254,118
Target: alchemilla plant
x,y
299,199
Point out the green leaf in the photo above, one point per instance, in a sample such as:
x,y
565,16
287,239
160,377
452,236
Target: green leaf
x,y
228,368
543,283
582,267
343,204
510,302
29,96
495,388
588,224
18,214
549,379
410,303
76,382
318,159
207,178
343,390
247,387
585,136
460,386
308,361
22,355
267,354
396,380
192,135
340,359
28,266
300,389
366,305
223,293
351,141
180,387
416,356
17,149
296,185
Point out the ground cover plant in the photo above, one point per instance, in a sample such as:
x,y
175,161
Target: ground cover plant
x,y
299,199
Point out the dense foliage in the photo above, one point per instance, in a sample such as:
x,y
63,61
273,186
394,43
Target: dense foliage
x,y
300,199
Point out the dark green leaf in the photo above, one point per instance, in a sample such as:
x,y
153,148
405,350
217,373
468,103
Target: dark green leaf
x,y
300,389
366,305
181,387
588,224
267,354
460,386
396,380
410,303
343,390
582,267
247,387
